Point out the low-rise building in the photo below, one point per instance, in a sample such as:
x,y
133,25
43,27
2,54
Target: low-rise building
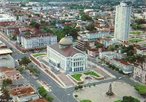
x,y
10,73
37,39
125,67
115,59
141,50
39,100
108,41
109,55
6,19
7,61
140,73
85,40
23,94
2,45
13,75
64,56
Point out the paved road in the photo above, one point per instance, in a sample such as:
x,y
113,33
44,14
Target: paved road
x,y
64,95
125,78
36,85
59,94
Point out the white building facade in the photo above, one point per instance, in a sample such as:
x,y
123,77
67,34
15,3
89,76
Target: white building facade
x,y
140,73
64,57
114,58
92,36
122,21
7,61
37,42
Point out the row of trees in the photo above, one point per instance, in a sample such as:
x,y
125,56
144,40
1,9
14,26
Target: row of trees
x,y
67,30
128,99
85,17
45,94
137,25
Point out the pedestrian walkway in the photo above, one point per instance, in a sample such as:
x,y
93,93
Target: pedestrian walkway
x,y
66,80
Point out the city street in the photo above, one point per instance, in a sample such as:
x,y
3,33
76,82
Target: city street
x,y
125,78
61,94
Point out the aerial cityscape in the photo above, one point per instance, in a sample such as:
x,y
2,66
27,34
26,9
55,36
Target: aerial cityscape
x,y
72,50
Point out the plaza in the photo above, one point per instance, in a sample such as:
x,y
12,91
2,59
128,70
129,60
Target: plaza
x,y
98,93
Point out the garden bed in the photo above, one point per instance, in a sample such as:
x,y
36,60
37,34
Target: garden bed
x,y
77,76
92,73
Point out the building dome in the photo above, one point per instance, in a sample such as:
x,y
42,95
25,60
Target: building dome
x,y
65,41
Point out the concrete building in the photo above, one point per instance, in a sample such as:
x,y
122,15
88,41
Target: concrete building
x,y
64,57
86,39
35,39
6,60
6,19
122,21
115,59
140,73
23,94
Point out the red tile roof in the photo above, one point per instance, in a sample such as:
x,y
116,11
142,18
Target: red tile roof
x,y
69,51
39,100
122,61
22,91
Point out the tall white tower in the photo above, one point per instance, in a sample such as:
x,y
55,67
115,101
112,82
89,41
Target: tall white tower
x,y
122,21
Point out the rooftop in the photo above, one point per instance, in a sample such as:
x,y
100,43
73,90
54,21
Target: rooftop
x,y
67,52
65,41
5,69
22,91
6,17
5,51
122,61
39,100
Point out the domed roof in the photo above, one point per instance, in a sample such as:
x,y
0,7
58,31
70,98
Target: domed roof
x,y
65,41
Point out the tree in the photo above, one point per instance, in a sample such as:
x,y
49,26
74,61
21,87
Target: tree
x,y
85,17
76,96
141,89
76,88
24,61
71,31
46,30
5,97
111,48
80,86
20,69
34,24
130,99
5,83
99,45
91,27
44,94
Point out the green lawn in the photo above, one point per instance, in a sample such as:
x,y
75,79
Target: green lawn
x,y
135,40
135,33
141,89
77,76
92,73
39,54
85,101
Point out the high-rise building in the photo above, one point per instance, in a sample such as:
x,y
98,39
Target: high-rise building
x,y
122,21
